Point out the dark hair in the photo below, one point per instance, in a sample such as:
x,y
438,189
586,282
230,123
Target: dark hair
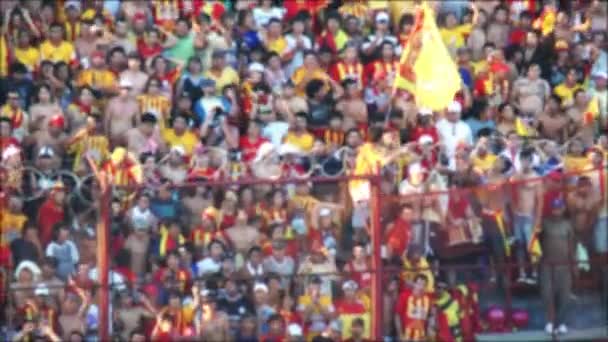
x,y
18,68
273,20
406,19
421,276
375,133
313,87
358,322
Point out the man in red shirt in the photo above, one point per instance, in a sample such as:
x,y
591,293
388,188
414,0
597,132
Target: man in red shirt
x,y
425,126
412,311
51,212
251,142
397,237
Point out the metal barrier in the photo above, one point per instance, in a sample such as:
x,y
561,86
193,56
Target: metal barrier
x,y
456,249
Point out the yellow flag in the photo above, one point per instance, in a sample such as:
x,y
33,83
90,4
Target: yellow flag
x,y
426,69
534,249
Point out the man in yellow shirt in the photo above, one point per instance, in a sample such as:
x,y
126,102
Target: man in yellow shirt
x,y
222,74
453,35
25,53
56,49
179,135
299,135
274,39
566,89
98,76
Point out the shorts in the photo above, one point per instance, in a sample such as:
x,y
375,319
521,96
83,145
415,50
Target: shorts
x,y
600,235
360,215
523,226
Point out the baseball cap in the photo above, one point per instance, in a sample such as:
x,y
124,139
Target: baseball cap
x,y
425,111
350,285
425,139
324,212
257,67
455,107
600,74
260,287
382,16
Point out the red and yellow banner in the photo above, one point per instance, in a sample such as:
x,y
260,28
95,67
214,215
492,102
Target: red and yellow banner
x,y
426,69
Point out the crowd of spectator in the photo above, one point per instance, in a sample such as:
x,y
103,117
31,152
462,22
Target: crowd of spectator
x,y
166,97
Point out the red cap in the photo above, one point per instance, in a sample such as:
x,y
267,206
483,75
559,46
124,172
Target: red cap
x,y
57,120
98,54
139,16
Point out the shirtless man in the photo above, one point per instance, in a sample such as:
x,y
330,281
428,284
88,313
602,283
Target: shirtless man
x,y
145,137
498,29
210,323
289,104
580,125
552,123
53,136
527,209
584,204
86,43
352,106
493,206
242,235
43,110
195,203
530,92
121,112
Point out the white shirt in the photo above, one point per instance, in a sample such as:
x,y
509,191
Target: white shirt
x,y
262,16
516,160
275,131
298,57
452,134
207,266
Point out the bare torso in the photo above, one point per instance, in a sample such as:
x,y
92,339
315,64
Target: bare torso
x,y
526,190
121,115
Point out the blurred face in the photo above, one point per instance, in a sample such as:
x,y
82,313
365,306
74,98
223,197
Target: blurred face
x,y
24,38
63,234
154,87
5,129
387,52
274,29
182,28
450,20
501,16
218,62
571,77
353,139
13,99
333,25
59,197
507,113
86,96
180,124
133,63
310,61
513,141
531,40
44,95
350,54
255,257
419,285
534,72
56,34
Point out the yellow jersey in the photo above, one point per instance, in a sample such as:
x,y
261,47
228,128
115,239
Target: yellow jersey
x,y
30,57
11,224
566,93
454,37
228,76
188,140
303,141
484,164
277,45
64,52
96,78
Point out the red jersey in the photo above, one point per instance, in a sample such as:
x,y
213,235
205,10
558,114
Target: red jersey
x,y
419,131
398,237
49,215
343,70
414,311
362,278
250,147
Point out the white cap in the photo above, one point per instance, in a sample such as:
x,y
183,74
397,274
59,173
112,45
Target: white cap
x,y
425,111
294,330
324,212
415,168
72,3
289,149
26,264
257,67
42,290
600,74
382,16
260,287
125,83
425,139
455,107
179,149
350,285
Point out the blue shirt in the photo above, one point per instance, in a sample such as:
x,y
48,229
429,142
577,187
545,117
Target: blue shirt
x,y
477,125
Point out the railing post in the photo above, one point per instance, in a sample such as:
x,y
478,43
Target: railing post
x,y
103,228
376,237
